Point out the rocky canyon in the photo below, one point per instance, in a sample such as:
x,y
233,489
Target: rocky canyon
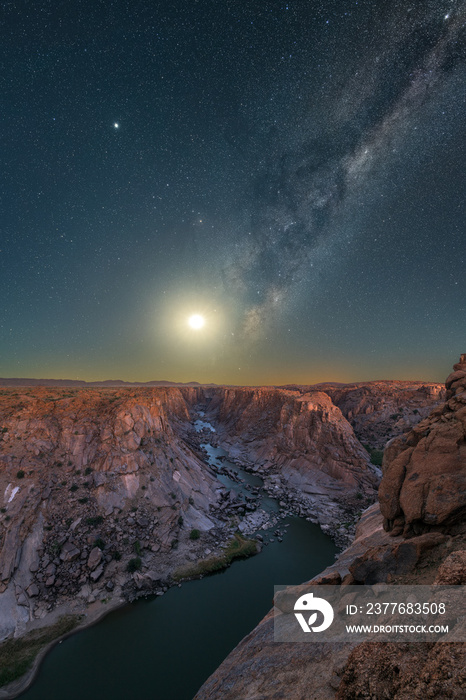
x,y
107,494
414,534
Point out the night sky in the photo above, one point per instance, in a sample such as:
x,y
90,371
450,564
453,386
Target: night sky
x,y
295,173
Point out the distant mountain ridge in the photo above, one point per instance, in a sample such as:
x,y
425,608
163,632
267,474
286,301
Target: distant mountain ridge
x,y
81,383
320,386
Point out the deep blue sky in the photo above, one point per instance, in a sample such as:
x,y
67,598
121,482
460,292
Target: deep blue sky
x,y
294,172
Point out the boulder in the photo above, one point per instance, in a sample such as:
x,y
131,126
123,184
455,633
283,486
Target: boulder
x,y
379,564
97,573
424,472
32,590
95,557
69,552
452,571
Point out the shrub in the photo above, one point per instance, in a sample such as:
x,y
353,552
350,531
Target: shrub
x,y
237,548
74,487
99,543
94,520
137,547
134,565
55,548
83,500
87,471
180,520
194,534
17,655
20,474
116,555
376,457
174,544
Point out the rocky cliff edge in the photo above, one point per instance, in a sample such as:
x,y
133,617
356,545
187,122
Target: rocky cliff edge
x,y
417,535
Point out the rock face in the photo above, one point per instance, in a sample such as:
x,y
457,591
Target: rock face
x,y
381,410
89,480
424,482
100,487
305,434
417,535
302,445
307,448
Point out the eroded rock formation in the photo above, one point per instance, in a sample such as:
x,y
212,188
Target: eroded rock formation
x,y
88,481
304,448
424,482
428,546
381,410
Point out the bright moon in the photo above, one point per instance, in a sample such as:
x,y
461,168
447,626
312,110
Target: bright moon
x,y
196,322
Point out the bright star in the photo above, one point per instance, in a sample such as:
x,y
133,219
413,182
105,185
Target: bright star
x,y
116,125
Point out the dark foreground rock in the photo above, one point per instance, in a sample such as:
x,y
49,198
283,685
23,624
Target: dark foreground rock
x,y
424,482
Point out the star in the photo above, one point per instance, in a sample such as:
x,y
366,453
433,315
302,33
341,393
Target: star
x,y
116,125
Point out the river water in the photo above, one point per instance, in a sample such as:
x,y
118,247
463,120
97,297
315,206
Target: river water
x,y
165,647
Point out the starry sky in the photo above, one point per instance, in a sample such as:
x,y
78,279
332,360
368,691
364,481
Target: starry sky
x,y
292,172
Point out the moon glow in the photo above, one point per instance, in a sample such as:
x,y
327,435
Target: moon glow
x,y
196,322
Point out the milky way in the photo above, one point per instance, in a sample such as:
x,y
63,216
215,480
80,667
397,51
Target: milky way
x,y
298,193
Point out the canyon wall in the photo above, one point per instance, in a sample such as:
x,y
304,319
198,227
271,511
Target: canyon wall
x,y
101,487
381,410
424,483
304,448
89,480
415,535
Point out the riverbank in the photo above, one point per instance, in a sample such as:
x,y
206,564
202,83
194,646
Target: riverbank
x,y
175,641
192,557
23,657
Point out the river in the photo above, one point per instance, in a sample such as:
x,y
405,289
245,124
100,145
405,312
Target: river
x,y
165,647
